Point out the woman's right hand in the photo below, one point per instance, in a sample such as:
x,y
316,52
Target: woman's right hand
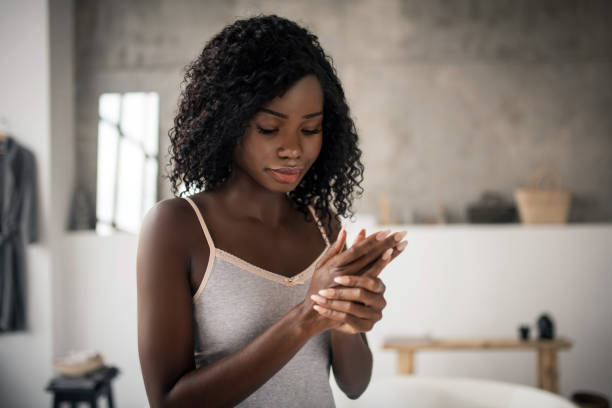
x,y
336,262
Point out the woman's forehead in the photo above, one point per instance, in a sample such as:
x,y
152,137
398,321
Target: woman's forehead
x,y
304,98
270,112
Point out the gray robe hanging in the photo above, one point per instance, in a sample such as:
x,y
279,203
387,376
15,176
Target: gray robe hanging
x,y
18,226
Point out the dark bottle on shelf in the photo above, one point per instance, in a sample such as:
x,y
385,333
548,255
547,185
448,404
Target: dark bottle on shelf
x,y
546,327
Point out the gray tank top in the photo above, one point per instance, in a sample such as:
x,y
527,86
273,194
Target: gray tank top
x,y
236,301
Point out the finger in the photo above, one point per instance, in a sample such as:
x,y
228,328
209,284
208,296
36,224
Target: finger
x,y
358,256
376,267
334,249
372,284
398,249
350,308
360,248
355,322
360,236
380,264
385,245
332,314
354,294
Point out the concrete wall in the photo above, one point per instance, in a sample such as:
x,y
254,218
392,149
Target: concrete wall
x,y
450,98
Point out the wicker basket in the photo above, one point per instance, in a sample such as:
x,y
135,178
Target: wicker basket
x,y
538,205
78,363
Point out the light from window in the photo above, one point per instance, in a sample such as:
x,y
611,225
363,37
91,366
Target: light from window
x,y
128,143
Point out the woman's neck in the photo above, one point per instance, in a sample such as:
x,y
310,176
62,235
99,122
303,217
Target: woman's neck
x,y
245,198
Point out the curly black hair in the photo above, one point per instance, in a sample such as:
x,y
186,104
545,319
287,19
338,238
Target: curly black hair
x,y
246,65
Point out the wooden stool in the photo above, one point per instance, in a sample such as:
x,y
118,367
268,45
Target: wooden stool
x,y
85,388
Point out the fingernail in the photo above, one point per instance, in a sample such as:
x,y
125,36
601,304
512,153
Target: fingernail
x,y
387,254
326,292
343,280
382,234
317,298
402,245
399,235
339,235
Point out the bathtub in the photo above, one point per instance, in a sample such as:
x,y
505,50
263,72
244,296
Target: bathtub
x,y
446,392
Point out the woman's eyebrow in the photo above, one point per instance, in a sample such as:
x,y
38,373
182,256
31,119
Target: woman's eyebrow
x,y
282,115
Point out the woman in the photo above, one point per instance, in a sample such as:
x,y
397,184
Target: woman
x,y
241,295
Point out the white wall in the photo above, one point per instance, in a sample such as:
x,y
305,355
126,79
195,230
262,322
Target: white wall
x,y
468,281
25,364
36,78
452,281
99,307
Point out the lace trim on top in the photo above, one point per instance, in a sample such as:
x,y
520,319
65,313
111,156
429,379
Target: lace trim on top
x,y
215,252
300,278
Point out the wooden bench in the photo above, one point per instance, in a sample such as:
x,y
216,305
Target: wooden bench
x,y
548,375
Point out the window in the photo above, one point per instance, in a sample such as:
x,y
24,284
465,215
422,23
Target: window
x,y
128,144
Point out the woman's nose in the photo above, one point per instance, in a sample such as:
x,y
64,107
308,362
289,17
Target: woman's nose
x,y
291,146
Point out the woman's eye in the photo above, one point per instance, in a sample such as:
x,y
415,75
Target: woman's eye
x,y
271,131
266,131
311,132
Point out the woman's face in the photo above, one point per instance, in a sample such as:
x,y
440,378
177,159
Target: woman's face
x,y
284,138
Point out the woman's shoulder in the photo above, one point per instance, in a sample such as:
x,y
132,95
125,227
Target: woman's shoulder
x,y
171,218
169,211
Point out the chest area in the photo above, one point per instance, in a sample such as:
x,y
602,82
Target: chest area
x,y
284,252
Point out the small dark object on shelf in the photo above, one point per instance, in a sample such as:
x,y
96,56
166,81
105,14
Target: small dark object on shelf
x,y
589,399
491,208
546,327
524,332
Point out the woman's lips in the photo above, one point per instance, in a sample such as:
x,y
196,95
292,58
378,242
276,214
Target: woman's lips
x,y
286,175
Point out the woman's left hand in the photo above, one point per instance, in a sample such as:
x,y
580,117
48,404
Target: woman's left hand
x,y
357,305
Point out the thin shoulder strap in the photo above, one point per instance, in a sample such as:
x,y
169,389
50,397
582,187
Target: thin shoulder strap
x,y
203,224
323,233
211,245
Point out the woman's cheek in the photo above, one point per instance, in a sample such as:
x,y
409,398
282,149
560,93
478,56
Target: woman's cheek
x,y
316,145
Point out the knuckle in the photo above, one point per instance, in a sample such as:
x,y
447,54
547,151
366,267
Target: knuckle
x,y
335,269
